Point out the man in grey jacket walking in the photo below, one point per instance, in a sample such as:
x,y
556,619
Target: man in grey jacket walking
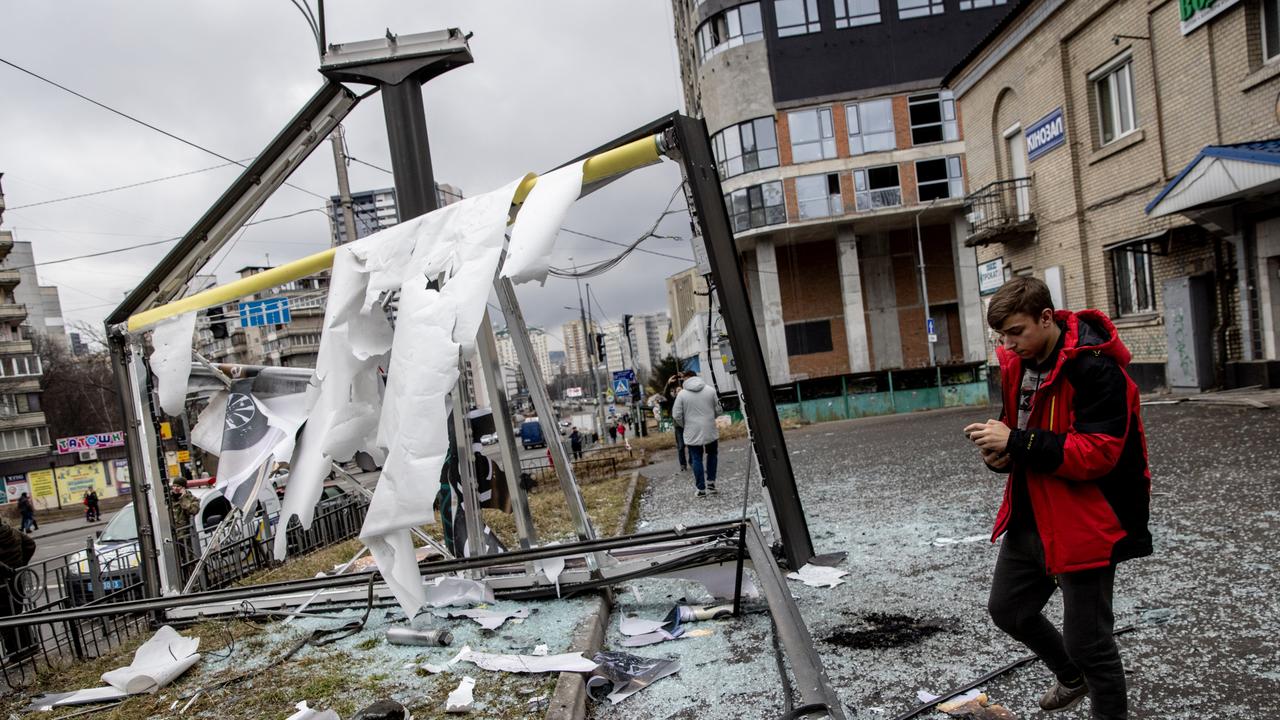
x,y
695,409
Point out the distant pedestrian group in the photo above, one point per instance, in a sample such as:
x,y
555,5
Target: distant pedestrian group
x,y
27,510
92,511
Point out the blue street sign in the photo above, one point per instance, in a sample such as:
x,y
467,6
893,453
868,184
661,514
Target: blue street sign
x,y
1046,134
622,380
272,311
930,326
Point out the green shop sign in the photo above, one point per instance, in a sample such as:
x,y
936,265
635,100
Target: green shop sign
x,y
1194,13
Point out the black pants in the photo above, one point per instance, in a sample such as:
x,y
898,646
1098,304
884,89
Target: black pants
x,y
13,640
1019,592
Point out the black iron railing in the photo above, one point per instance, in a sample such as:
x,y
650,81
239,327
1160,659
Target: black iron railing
x,y
1002,206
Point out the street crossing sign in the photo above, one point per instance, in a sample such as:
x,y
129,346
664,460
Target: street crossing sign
x,y
622,380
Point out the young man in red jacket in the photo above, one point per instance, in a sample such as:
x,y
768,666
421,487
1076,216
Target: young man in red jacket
x,y
1076,501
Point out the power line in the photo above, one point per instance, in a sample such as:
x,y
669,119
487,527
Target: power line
x,y
123,187
369,164
143,123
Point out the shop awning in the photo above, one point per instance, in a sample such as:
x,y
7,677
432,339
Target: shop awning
x,y
1219,175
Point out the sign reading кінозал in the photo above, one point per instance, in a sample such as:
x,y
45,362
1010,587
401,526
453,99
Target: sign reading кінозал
x,y
115,438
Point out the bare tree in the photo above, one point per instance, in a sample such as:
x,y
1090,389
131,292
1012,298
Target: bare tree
x,y
78,394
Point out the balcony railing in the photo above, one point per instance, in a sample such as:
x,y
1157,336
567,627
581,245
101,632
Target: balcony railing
x,y
13,311
1001,212
878,199
10,277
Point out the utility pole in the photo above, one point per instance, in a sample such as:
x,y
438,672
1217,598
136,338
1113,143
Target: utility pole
x,y
344,187
924,281
592,361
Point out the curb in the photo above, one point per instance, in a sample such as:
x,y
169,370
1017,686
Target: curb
x,y
68,531
569,700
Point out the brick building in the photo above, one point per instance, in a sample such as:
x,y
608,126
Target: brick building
x,y
842,163
1116,153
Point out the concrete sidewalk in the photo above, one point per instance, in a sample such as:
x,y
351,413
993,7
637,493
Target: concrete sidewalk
x,y
62,527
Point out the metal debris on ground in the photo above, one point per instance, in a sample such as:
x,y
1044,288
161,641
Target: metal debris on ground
x,y
384,710
414,636
642,632
621,675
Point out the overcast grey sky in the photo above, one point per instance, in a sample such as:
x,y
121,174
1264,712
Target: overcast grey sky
x,y
551,80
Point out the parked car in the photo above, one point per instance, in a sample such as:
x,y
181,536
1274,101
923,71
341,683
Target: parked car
x,y
531,434
489,439
118,551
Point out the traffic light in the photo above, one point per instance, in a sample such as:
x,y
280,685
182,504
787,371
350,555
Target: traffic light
x,y
600,354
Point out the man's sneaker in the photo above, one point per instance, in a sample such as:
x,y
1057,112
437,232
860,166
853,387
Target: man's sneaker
x,y
1061,697
711,489
700,493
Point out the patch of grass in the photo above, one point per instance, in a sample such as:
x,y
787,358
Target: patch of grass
x,y
300,567
605,501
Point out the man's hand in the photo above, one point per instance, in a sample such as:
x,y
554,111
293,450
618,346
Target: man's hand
x,y
991,436
997,460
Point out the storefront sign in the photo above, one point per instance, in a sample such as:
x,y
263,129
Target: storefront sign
x,y
74,481
90,442
43,491
15,485
1194,13
990,276
1046,134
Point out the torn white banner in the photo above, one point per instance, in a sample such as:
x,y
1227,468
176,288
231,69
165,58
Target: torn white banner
x,y
819,576
156,662
206,434
928,697
171,360
306,713
551,568
719,580
461,699
565,662
253,434
452,590
487,619
939,542
534,233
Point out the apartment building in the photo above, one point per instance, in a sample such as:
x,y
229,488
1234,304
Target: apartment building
x,y
24,433
842,162
1126,153
375,210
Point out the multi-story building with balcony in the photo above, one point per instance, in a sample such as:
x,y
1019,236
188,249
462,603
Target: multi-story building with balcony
x,y
842,163
24,433
375,210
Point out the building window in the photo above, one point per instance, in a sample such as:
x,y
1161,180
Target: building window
x,y
20,365
730,28
745,147
1132,268
908,9
933,118
939,179
877,187
818,196
870,126
806,338
796,17
813,135
852,13
1113,92
756,206
978,4
23,439
1270,29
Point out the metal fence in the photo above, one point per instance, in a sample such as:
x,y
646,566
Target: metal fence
x,y
541,470
1001,206
96,576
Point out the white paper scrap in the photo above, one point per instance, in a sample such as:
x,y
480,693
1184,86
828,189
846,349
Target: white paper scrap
x,y
819,576
927,697
171,360
461,699
540,651
306,713
939,542
633,626
564,662
452,590
534,234
433,668
551,568
156,663
487,619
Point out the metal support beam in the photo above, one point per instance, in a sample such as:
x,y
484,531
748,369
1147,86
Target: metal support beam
x,y
726,268
462,454
519,332
491,367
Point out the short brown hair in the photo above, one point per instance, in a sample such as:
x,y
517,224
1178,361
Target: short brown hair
x,y
1020,295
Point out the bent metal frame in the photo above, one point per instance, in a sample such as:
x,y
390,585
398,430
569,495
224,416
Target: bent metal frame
x,y
398,69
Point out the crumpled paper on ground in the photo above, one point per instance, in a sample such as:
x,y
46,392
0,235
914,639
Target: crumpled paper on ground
x,y
819,576
564,662
462,698
459,591
171,342
156,662
306,713
534,234
620,675
487,619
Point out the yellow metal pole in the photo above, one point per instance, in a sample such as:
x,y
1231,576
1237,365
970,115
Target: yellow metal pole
x,y
621,159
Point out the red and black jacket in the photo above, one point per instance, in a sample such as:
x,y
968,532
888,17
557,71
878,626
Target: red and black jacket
x,y
1083,455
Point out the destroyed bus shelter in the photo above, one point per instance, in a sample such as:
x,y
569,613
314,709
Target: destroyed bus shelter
x,y
590,563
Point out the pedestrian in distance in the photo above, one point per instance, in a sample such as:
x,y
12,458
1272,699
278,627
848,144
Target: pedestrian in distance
x,y
613,433
668,404
27,510
16,549
575,443
1077,497
622,434
695,409
185,505
92,511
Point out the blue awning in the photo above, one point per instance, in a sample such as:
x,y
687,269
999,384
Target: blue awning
x,y
1221,174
